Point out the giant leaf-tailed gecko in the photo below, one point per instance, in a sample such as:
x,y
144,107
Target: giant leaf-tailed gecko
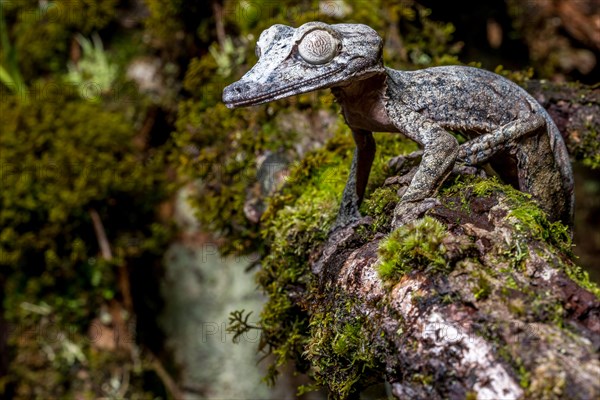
x,y
505,126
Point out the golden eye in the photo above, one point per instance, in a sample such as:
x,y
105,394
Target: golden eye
x,y
318,47
257,51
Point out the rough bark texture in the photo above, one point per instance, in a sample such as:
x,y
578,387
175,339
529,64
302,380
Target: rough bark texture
x,y
575,109
499,318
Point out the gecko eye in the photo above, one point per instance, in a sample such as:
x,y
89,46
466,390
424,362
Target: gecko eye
x,y
318,47
257,51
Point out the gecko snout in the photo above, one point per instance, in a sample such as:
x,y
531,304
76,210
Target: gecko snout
x,y
234,94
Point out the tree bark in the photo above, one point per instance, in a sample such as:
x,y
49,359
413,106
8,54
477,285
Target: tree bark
x,y
575,108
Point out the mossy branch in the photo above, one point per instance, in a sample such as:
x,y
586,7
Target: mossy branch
x,y
480,299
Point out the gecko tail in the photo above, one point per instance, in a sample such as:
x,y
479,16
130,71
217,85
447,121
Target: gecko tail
x,y
563,163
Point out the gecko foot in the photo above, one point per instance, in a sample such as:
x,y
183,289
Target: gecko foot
x,y
461,169
403,163
349,214
406,212
344,220
338,238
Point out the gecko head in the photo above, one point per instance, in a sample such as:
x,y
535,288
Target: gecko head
x,y
314,56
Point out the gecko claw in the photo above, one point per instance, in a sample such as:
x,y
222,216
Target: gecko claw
x,y
461,169
344,221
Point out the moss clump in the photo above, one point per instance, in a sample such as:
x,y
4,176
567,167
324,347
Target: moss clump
x,y
380,206
483,288
341,352
529,220
416,246
297,220
582,278
530,217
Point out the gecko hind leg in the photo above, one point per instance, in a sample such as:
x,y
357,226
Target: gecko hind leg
x,y
480,149
537,176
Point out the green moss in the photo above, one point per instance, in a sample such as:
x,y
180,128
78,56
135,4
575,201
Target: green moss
x,y
524,375
54,359
380,206
519,77
589,149
483,288
416,246
425,42
533,222
517,306
341,351
388,145
165,18
471,395
581,277
219,148
423,379
528,218
531,218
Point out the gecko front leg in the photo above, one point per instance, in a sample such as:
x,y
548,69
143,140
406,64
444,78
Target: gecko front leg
x,y
364,154
440,150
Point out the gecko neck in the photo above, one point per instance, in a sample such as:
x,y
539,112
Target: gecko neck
x,y
363,103
357,89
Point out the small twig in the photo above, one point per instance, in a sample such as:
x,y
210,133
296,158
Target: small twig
x,y
218,12
101,235
124,384
164,376
108,256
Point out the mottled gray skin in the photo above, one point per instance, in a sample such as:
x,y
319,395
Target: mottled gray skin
x,y
506,127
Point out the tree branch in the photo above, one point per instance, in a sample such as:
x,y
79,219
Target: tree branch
x,y
480,299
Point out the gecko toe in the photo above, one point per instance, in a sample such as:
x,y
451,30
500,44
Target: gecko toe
x,y
406,212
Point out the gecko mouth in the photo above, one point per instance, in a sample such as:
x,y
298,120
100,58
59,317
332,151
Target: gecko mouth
x,y
291,90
